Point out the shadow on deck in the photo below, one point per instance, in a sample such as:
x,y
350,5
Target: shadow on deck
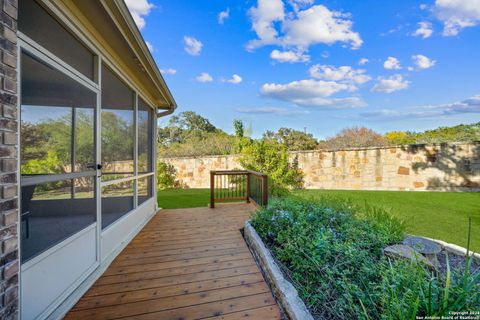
x,y
185,264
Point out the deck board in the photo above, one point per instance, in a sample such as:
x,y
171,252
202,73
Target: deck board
x,y
185,264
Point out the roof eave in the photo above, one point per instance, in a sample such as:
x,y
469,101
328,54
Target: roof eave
x,y
144,56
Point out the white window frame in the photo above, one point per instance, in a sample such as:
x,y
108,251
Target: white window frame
x,y
37,50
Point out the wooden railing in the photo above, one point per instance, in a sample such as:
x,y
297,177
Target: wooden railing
x,y
238,185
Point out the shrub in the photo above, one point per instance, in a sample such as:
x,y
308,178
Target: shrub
x,y
210,143
399,138
271,158
332,253
293,139
166,176
355,138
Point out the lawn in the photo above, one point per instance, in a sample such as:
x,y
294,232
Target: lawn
x,y
183,198
442,215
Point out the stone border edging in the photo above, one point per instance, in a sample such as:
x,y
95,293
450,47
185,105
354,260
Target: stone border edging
x,y
455,249
284,291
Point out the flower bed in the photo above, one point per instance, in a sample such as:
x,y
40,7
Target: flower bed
x,y
332,253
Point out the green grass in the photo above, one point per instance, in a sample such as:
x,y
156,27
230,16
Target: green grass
x,y
439,215
183,198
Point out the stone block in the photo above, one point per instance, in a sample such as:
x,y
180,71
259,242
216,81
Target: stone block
x,y
10,270
403,171
10,9
9,112
10,217
9,245
9,138
418,184
9,59
9,85
9,165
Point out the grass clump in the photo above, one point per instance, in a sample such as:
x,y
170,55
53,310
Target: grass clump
x,y
332,252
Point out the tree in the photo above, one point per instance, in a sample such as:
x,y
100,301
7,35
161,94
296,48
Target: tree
x,y
166,176
356,137
399,138
210,143
294,140
271,158
183,126
459,133
238,128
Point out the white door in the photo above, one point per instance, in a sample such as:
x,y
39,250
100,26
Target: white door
x,y
59,183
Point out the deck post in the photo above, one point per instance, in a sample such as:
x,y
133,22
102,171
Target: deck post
x,y
248,187
264,190
212,189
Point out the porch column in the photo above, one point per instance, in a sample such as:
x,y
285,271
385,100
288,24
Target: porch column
x,y
9,261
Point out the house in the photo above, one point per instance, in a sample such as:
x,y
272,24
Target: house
x,y
80,95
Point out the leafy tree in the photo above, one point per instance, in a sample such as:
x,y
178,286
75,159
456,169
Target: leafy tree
x,y
48,164
293,139
52,138
166,176
117,138
183,126
356,137
271,158
210,143
238,127
399,138
457,133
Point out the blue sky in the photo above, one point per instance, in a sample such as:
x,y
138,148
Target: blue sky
x,y
323,65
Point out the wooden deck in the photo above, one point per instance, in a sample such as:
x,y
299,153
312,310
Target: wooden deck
x,y
185,264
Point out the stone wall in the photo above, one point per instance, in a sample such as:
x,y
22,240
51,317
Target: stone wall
x,y
442,167
9,263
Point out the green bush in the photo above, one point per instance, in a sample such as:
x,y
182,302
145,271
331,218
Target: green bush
x,y
332,253
271,158
166,176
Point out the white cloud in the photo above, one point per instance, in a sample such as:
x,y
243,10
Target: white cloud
x,y
289,56
192,45
342,74
149,46
303,88
312,93
298,4
423,62
204,77
302,28
390,84
236,79
273,110
363,61
170,71
263,17
139,10
320,25
424,30
457,14
392,63
224,15
470,105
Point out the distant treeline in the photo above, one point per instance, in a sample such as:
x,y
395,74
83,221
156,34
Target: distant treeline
x,y
189,134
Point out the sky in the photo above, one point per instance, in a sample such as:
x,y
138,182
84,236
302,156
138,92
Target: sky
x,y
318,66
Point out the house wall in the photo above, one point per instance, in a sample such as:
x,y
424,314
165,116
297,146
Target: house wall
x,y
442,167
9,263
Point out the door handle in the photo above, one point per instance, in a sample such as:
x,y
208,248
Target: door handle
x,y
95,166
